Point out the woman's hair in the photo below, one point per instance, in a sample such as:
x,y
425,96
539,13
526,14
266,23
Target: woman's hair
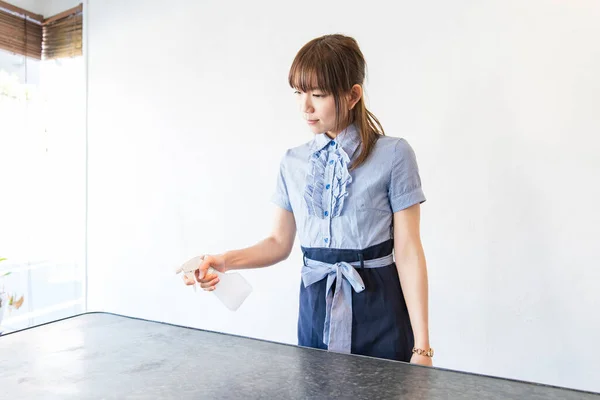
x,y
333,64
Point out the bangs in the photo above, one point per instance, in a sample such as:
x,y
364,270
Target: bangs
x,y
312,70
305,79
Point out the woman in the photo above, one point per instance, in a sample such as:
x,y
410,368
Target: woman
x,y
353,196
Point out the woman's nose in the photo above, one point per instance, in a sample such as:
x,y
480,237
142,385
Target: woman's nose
x,y
306,105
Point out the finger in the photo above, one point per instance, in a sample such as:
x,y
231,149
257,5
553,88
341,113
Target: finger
x,y
210,284
188,281
207,278
201,271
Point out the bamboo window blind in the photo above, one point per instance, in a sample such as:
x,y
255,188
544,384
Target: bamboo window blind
x,y
31,35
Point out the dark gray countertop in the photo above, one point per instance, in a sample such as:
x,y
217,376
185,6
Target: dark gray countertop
x,y
106,356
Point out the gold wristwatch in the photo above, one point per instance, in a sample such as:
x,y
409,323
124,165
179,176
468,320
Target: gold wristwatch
x,y
421,352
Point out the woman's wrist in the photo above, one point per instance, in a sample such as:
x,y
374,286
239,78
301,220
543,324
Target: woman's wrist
x,y
222,262
422,346
424,352
422,342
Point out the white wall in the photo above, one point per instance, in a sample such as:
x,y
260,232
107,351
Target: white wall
x,y
189,114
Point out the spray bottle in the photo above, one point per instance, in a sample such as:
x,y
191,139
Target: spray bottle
x,y
232,288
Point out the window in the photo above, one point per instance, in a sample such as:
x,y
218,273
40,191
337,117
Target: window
x,y
42,174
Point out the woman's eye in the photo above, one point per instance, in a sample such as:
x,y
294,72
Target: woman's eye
x,y
318,95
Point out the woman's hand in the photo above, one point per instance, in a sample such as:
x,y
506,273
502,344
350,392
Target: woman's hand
x,y
421,360
207,280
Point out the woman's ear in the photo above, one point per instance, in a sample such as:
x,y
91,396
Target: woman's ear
x,y
355,94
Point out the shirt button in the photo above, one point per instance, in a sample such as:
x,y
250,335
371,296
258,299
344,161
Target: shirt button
x,y
326,240
326,213
331,162
327,186
332,143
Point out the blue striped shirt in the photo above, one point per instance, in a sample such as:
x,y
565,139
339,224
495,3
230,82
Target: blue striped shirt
x,y
337,208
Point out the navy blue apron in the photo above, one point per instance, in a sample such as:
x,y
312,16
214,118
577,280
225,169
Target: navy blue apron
x,y
380,321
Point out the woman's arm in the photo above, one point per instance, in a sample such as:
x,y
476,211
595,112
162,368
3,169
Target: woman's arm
x,y
275,248
412,269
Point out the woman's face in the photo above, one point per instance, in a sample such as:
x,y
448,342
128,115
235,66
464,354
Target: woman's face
x,y
318,110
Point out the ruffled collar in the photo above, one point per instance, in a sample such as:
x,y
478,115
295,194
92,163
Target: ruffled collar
x,y
326,199
349,139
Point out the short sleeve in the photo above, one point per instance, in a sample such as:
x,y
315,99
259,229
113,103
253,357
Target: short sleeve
x,y
405,183
281,197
